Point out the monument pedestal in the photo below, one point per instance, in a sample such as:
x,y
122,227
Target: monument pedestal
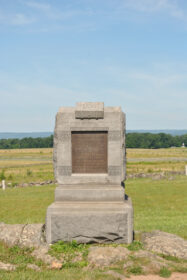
x,y
89,192
89,165
88,222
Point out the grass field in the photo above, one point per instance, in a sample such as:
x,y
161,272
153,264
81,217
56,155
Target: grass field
x,y
157,153
156,160
158,204
26,165
35,165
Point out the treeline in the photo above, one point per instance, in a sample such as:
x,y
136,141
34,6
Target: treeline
x,y
29,142
133,140
154,141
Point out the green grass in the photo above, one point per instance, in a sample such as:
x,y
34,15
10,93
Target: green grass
x,y
65,274
68,251
159,204
71,269
26,173
18,256
21,257
136,270
173,259
165,272
25,205
135,246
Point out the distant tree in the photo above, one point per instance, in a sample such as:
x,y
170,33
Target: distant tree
x,y
154,141
29,142
133,140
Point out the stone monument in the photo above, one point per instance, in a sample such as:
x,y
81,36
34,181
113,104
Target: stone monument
x,y
89,164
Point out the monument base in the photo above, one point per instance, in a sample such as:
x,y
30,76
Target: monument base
x,y
90,222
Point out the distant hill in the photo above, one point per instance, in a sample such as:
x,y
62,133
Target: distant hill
x,y
167,131
20,135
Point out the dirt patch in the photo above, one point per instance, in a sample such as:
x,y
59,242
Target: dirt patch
x,y
174,276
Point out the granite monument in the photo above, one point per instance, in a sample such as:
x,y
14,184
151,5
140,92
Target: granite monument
x,y
89,164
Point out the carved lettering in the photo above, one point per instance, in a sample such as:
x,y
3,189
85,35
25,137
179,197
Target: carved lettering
x,y
89,152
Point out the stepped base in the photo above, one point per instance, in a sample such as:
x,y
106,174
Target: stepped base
x,y
89,192
100,222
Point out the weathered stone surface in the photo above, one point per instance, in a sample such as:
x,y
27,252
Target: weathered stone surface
x,y
113,123
7,266
77,258
41,253
89,193
156,262
165,243
128,264
156,265
89,165
10,234
24,185
89,110
30,235
33,267
115,274
104,256
154,176
90,222
148,255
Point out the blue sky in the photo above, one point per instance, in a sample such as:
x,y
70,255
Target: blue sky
x,y
131,53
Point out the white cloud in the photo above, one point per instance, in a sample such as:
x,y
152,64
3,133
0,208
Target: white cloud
x,y
39,6
158,75
158,79
16,19
20,19
44,8
54,13
170,7
37,12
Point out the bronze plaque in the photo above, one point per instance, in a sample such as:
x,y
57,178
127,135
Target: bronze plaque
x,y
89,151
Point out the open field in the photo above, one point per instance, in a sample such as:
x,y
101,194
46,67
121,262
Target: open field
x,y
155,166
35,165
26,165
157,153
160,204
156,160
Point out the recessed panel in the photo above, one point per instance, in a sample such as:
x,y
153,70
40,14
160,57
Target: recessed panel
x,y
89,151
